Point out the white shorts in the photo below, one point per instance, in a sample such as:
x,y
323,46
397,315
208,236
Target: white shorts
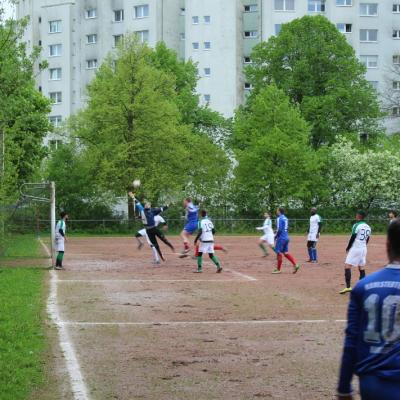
x,y
269,238
312,237
59,242
207,248
357,257
143,233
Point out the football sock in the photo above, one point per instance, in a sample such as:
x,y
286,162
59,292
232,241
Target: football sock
x,y
314,254
280,261
310,253
196,250
362,273
200,261
155,254
264,249
290,258
215,260
347,276
59,259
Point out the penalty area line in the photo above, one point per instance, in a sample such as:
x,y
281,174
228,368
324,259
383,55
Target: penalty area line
x,y
188,323
240,274
144,280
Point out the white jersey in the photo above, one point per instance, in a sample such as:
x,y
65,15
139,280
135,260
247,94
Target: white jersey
x,y
61,225
315,220
362,231
206,227
267,227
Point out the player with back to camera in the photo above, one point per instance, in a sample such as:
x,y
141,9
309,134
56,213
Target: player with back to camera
x,y
60,239
372,341
268,237
282,242
314,232
357,249
206,236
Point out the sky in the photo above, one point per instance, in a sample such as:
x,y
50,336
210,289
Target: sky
x,y
8,9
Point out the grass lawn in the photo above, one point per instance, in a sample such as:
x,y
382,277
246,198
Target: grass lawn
x,y
22,246
22,336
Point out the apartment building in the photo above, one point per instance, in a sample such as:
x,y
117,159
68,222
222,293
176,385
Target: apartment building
x,y
218,35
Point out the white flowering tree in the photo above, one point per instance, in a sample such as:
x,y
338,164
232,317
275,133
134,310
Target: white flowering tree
x,y
362,178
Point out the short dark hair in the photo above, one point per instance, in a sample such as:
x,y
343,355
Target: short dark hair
x,y
189,199
362,213
203,213
281,210
393,237
63,214
394,213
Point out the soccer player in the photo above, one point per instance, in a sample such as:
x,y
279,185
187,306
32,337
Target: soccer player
x,y
159,220
206,236
392,216
268,237
282,242
313,235
357,249
372,342
191,224
148,215
60,239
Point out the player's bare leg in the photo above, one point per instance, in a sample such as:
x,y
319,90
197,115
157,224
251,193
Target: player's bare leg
x,y
347,278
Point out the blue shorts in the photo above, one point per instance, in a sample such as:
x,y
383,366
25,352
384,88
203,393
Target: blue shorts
x,y
282,246
190,227
374,387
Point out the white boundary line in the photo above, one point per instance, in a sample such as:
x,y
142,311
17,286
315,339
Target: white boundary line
x,y
46,249
188,323
78,386
247,277
145,280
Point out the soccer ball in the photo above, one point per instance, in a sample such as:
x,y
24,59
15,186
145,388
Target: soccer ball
x,y
136,183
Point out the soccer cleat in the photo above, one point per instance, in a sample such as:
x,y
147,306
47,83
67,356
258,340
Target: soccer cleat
x,y
156,262
276,271
182,255
345,290
309,261
219,270
59,268
198,271
296,268
314,262
265,255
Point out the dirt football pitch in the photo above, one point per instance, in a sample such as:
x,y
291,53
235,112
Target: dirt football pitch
x,y
132,330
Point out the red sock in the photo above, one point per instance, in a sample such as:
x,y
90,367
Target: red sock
x,y
280,261
196,250
218,247
186,245
290,258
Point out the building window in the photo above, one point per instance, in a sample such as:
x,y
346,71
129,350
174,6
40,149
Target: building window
x,y
368,35
55,50
118,15
182,36
55,120
370,61
92,13
143,36
250,34
396,8
195,20
55,26
55,144
247,60
55,97
277,28
248,86
374,84
91,64
207,98
396,111
396,85
207,19
207,71
344,3
207,45
142,11
55,74
91,39
284,5
344,28
195,45
396,34
117,39
396,59
316,5
368,9
251,8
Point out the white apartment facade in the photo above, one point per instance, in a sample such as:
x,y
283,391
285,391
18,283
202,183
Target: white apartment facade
x,y
218,35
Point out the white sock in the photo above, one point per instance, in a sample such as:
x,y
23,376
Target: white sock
x,y
155,254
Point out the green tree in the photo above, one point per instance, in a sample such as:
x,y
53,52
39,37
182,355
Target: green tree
x,y
132,128
275,163
312,62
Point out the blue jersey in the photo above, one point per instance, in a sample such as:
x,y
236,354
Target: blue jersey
x,y
192,213
282,228
372,343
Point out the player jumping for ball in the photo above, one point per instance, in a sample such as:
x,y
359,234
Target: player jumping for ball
x,y
159,220
148,215
357,249
206,236
372,343
282,242
268,237
191,224
314,232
